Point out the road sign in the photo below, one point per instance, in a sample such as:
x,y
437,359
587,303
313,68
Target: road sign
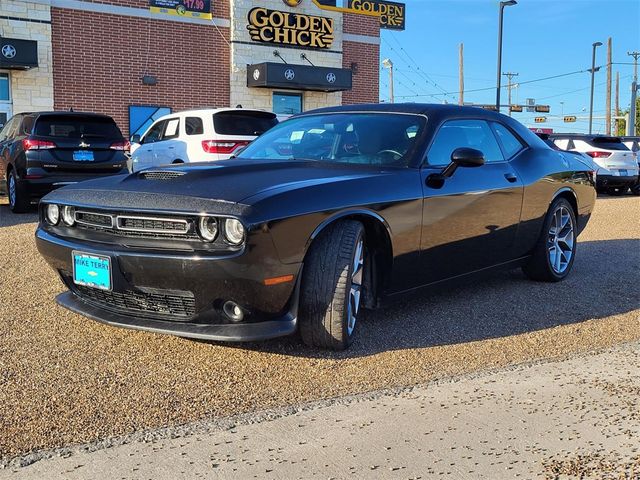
x,y
540,119
542,108
570,118
515,108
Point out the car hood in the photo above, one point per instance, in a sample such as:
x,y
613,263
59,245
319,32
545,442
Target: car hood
x,y
224,186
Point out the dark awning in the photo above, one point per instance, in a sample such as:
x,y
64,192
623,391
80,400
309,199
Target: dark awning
x,y
18,54
298,77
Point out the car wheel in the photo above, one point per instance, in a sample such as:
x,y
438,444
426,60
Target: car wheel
x,y
617,191
332,281
18,198
636,189
555,250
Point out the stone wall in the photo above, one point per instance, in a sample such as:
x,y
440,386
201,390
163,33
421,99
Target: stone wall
x,y
30,89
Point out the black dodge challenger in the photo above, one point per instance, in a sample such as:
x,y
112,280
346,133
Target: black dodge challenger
x,y
332,211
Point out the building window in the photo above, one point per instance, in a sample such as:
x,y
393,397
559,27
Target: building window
x,y
287,103
5,95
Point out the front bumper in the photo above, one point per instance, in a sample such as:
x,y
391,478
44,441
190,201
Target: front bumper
x,y
177,292
613,181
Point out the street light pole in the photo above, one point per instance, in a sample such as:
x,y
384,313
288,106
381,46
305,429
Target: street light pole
x,y
631,124
593,72
506,3
387,63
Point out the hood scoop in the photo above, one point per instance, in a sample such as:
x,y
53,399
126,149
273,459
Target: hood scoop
x,y
160,174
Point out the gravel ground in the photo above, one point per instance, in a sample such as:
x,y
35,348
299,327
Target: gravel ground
x,y
65,379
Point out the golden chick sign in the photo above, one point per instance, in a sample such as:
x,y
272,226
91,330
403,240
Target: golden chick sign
x,y
274,26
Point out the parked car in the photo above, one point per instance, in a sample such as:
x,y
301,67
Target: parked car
x,y
199,136
329,212
42,151
633,143
618,167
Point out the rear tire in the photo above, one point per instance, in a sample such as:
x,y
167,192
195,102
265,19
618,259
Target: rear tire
x,y
17,193
332,281
636,189
555,250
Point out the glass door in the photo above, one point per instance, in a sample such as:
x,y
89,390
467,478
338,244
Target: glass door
x,y
5,98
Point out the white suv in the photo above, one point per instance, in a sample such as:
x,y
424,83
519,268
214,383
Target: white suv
x,y
618,167
198,136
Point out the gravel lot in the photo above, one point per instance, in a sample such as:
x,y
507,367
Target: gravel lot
x,y
65,379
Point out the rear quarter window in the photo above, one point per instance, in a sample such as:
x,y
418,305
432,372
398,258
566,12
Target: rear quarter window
x,y
76,126
243,123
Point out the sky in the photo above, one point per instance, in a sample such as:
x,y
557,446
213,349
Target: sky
x,y
541,38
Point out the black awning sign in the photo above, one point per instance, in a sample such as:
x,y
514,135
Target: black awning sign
x,y
18,54
392,14
298,77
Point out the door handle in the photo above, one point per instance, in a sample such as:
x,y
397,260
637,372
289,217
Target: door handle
x,y
510,177
171,148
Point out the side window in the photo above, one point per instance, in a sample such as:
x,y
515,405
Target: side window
x,y
510,143
9,131
463,133
154,133
4,133
27,125
193,126
172,129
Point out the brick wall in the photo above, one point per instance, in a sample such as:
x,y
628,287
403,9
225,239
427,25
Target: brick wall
x,y
365,57
99,61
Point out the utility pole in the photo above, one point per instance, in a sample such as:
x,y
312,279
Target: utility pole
x,y
461,75
593,72
510,76
608,102
504,3
617,104
631,124
387,63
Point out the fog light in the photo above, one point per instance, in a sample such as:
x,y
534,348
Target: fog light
x,y
233,311
52,213
68,215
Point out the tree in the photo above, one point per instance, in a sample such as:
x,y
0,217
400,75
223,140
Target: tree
x,y
621,125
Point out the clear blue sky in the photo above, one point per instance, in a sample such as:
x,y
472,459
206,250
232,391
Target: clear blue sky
x,y
541,38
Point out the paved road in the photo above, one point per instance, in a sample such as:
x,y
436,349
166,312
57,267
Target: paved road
x,y
578,417
65,379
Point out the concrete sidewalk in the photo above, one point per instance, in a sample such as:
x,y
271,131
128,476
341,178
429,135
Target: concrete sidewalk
x,y
579,416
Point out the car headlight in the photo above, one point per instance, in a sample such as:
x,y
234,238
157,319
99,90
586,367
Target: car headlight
x,y
68,215
234,231
208,228
52,213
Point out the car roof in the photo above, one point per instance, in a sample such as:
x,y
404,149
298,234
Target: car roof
x,y
66,113
628,138
582,136
414,108
211,111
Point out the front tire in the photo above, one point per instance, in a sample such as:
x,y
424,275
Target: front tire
x,y
555,250
332,281
18,198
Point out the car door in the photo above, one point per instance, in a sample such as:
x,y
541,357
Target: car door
x,y
166,148
6,140
470,219
144,156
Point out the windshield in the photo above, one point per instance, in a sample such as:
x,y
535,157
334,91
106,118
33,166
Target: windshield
x,y
364,138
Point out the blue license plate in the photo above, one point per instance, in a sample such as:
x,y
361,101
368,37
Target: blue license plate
x,y
91,270
83,156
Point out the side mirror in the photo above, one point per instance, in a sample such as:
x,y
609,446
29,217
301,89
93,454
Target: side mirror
x,y
463,157
135,138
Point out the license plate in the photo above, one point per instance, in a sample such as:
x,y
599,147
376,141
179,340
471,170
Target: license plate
x,y
622,173
83,156
91,270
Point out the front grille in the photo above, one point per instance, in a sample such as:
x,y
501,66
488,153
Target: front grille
x,y
94,219
177,305
152,225
160,175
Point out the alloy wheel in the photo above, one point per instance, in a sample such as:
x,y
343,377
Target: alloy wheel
x,y
12,190
356,287
561,240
